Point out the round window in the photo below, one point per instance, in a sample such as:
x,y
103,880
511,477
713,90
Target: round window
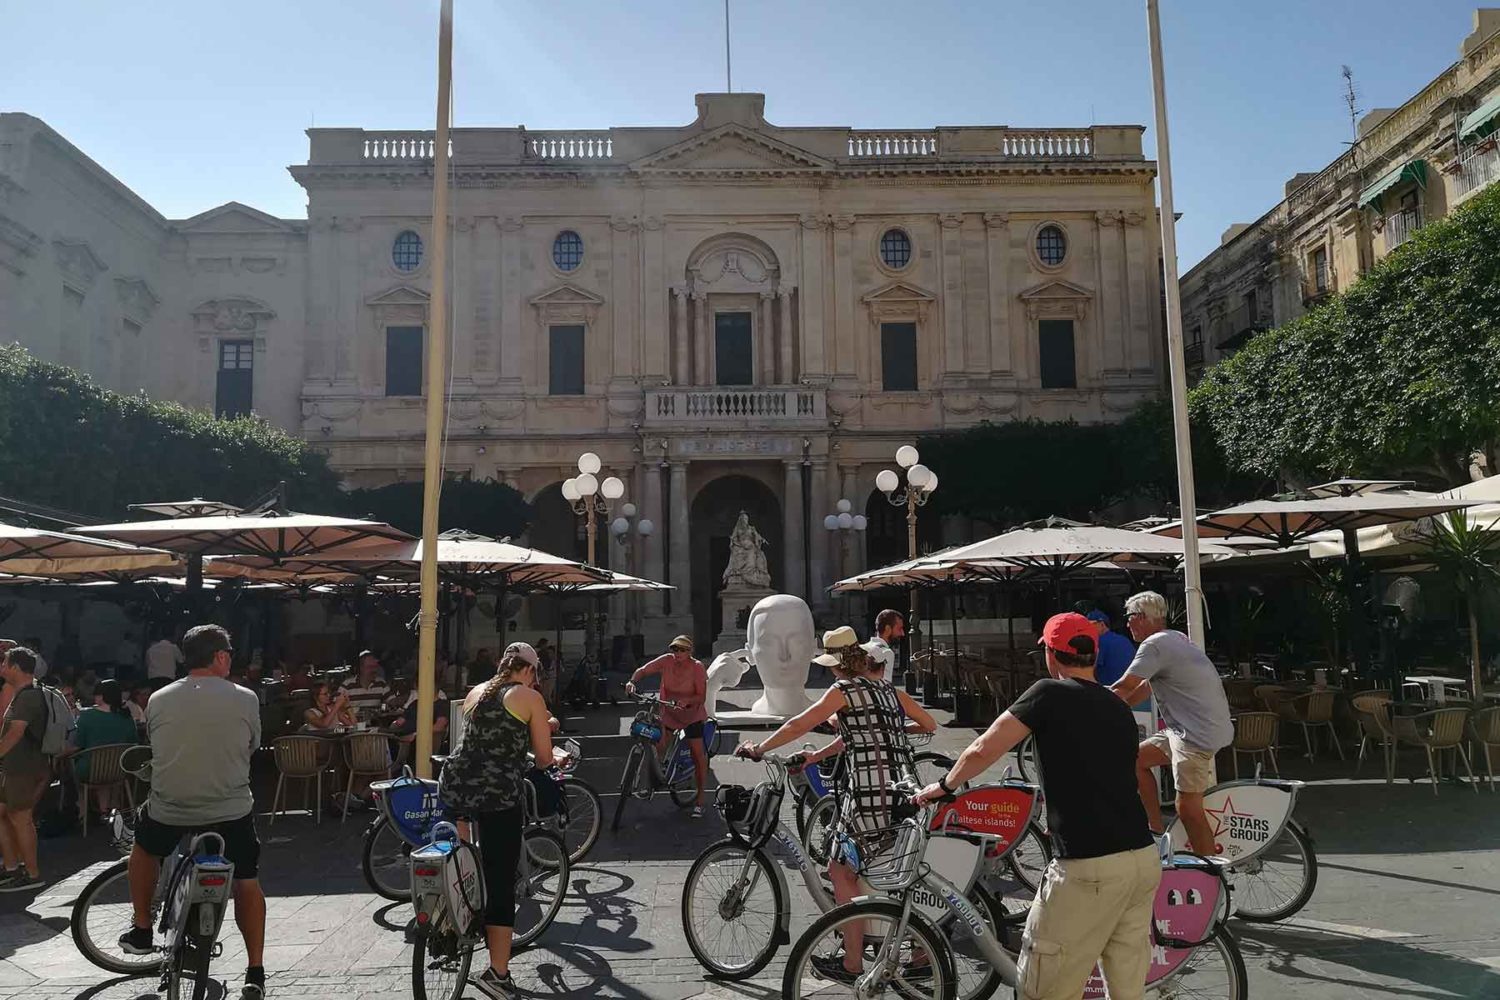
x,y
406,252
1051,245
567,251
895,249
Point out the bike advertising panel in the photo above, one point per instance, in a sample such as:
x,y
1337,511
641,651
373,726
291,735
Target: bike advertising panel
x,y
1186,903
1001,812
1245,817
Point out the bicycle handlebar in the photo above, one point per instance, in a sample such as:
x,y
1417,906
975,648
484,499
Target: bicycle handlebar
x,y
651,698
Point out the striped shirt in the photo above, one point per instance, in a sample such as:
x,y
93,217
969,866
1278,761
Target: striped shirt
x,y
365,699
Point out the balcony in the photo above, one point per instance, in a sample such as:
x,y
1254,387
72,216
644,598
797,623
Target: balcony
x,y
748,408
1239,326
1478,165
1192,354
1399,227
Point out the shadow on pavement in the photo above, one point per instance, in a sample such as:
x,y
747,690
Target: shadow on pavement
x,y
1288,951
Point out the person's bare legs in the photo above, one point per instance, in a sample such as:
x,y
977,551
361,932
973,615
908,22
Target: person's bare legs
x,y
1147,757
8,848
144,869
498,940
23,830
250,918
846,887
700,765
1195,821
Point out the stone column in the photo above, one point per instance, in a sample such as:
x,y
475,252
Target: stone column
x,y
843,296
786,358
793,578
702,340
511,323
1140,332
624,252
652,564
681,339
679,573
765,340
655,341
810,326
952,294
822,505
997,236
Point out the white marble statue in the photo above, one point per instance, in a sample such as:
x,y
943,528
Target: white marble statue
x,y
781,645
725,672
747,563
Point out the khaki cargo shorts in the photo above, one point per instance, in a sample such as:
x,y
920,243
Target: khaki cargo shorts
x,y
19,792
1192,769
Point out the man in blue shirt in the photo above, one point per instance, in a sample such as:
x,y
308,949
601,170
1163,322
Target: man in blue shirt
x,y
1115,650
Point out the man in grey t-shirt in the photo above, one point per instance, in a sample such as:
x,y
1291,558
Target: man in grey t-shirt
x,y
203,732
1191,700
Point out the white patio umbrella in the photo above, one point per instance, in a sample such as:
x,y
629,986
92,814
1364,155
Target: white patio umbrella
x,y
278,537
196,507
35,552
1404,538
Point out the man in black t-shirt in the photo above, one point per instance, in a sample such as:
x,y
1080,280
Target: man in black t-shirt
x,y
1095,903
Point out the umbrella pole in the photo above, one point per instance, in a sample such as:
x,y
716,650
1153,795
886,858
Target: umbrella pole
x,y
557,628
194,584
1359,608
500,615
908,675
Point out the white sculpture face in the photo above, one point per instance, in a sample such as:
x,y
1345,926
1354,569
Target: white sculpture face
x,y
781,644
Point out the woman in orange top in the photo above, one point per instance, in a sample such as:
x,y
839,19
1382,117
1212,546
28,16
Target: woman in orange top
x,y
685,681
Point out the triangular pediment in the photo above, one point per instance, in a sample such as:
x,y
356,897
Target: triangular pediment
x,y
401,295
1055,291
897,292
732,148
234,217
567,295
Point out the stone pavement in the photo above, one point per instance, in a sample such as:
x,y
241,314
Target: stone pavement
x,y
1408,890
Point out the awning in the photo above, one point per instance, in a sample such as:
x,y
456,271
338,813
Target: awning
x,y
1411,170
1481,121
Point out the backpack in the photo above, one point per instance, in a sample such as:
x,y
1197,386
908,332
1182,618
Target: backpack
x,y
58,721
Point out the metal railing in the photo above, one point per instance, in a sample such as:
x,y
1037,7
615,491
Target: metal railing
x,y
1478,165
1399,226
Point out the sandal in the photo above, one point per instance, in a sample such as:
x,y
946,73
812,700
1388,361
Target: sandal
x,y
697,812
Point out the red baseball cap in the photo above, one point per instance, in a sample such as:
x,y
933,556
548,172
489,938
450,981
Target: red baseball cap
x,y
1060,631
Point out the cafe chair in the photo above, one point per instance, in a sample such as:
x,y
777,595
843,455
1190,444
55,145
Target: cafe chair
x,y
1255,734
1435,732
102,769
1373,710
304,759
1484,730
1314,710
368,755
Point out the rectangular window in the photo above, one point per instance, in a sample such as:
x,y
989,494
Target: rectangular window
x,y
1252,306
1320,269
1196,337
565,360
898,357
1056,341
734,360
235,392
403,361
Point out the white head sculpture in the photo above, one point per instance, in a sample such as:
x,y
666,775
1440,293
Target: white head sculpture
x,y
781,644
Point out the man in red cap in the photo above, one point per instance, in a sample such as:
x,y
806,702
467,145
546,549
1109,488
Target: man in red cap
x,y
1095,902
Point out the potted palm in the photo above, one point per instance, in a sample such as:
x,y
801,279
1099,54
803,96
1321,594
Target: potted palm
x,y
1469,555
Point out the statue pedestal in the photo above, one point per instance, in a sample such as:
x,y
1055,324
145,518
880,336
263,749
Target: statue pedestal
x,y
735,601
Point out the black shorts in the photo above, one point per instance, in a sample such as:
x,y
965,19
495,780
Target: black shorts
x,y
241,845
693,731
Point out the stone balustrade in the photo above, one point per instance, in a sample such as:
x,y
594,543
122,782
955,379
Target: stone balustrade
x,y
408,147
585,146
682,406
1047,144
867,145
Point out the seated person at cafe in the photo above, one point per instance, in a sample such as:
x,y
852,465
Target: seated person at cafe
x,y
106,721
367,689
328,711
405,727
300,679
139,695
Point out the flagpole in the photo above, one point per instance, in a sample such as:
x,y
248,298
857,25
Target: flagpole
x,y
1181,435
437,380
728,66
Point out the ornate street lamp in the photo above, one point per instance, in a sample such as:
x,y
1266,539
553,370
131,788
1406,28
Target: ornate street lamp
x,y
842,524
590,499
921,484
621,528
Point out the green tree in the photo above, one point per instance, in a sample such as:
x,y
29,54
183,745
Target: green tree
x,y
1399,376
484,506
1466,554
67,442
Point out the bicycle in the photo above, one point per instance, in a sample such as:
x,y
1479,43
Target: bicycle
x,y
908,953
449,912
645,774
407,808
187,909
1270,856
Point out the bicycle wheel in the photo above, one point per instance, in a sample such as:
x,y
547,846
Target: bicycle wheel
x,y
1214,971
585,816
976,979
682,781
1029,860
440,963
821,821
187,972
1026,760
815,966
731,913
633,762
541,881
101,913
1279,881
931,766
384,862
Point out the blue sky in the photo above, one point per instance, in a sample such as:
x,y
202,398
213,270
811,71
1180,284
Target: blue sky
x,y
195,104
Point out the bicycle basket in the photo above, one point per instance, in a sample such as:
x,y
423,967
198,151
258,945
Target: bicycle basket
x,y
645,728
751,814
893,856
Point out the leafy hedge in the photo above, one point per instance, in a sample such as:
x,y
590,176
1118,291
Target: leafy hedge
x,y
479,505
67,442
1398,376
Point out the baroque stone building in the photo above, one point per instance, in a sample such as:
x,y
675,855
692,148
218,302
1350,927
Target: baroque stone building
x,y
1410,165
733,315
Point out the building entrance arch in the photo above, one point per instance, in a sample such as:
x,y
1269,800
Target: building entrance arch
x,y
710,522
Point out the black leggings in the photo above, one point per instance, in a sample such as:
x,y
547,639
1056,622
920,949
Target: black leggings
x,y
500,848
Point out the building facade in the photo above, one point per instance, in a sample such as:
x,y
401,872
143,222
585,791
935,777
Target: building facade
x,y
1410,165
731,314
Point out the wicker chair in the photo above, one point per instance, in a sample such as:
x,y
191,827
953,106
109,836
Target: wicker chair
x,y
1274,698
1373,710
1255,734
1484,730
304,759
1314,710
1435,732
1240,694
103,770
368,755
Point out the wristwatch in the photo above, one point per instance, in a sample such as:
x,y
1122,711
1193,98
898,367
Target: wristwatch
x,y
943,783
